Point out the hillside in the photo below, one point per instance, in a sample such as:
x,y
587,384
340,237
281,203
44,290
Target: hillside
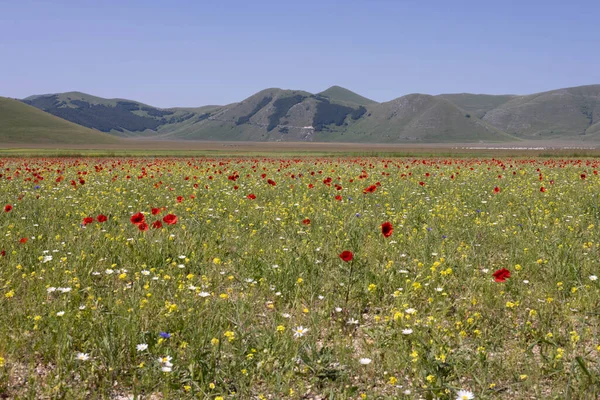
x,y
21,123
118,116
477,104
562,113
338,114
337,93
422,118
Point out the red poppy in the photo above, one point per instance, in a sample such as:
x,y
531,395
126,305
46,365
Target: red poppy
x,y
387,229
271,182
370,189
306,221
3,253
422,183
24,240
102,218
496,189
138,218
501,275
155,211
582,176
143,227
179,199
542,189
7,208
346,255
88,220
170,219
338,198
251,196
156,225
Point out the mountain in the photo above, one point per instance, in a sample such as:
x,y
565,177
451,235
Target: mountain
x,y
477,104
340,115
21,123
118,116
563,113
337,93
422,118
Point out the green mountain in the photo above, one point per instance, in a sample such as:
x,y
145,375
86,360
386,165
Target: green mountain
x,y
338,114
564,113
422,118
118,116
337,93
21,123
477,104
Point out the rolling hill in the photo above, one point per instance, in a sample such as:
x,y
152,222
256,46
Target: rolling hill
x,y
21,123
338,93
562,113
340,115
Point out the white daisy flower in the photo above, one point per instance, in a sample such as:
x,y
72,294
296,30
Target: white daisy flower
x,y
300,331
141,347
464,395
365,361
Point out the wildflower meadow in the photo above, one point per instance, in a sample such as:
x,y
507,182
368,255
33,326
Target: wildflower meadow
x,y
299,278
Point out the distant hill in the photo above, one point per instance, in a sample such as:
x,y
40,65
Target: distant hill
x,y
338,114
21,123
337,93
477,104
118,116
563,113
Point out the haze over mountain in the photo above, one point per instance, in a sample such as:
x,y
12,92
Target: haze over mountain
x,y
338,114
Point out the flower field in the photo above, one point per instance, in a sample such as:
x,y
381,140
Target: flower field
x,y
299,278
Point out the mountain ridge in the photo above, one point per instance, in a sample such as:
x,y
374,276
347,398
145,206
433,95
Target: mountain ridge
x,y
338,114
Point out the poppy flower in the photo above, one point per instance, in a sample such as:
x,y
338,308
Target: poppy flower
x,y
88,220
387,229
170,219
271,182
582,176
346,255
251,196
143,227
496,189
370,189
24,240
156,225
3,253
179,199
338,198
138,218
306,221
501,275
422,183
102,218
155,211
8,208
542,189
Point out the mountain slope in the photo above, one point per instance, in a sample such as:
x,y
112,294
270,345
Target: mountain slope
x,y
563,113
338,93
21,123
338,114
423,118
477,104
118,116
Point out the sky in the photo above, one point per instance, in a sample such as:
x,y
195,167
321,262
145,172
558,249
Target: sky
x,y
194,53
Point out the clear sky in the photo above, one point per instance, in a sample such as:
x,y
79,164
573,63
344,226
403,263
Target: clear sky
x,y
198,52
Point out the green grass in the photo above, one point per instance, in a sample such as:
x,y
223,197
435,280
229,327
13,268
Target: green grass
x,y
20,123
344,95
413,315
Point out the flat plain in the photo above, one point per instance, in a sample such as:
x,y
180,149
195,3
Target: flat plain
x,y
278,275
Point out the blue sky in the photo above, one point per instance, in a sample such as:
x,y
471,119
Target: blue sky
x,y
193,53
